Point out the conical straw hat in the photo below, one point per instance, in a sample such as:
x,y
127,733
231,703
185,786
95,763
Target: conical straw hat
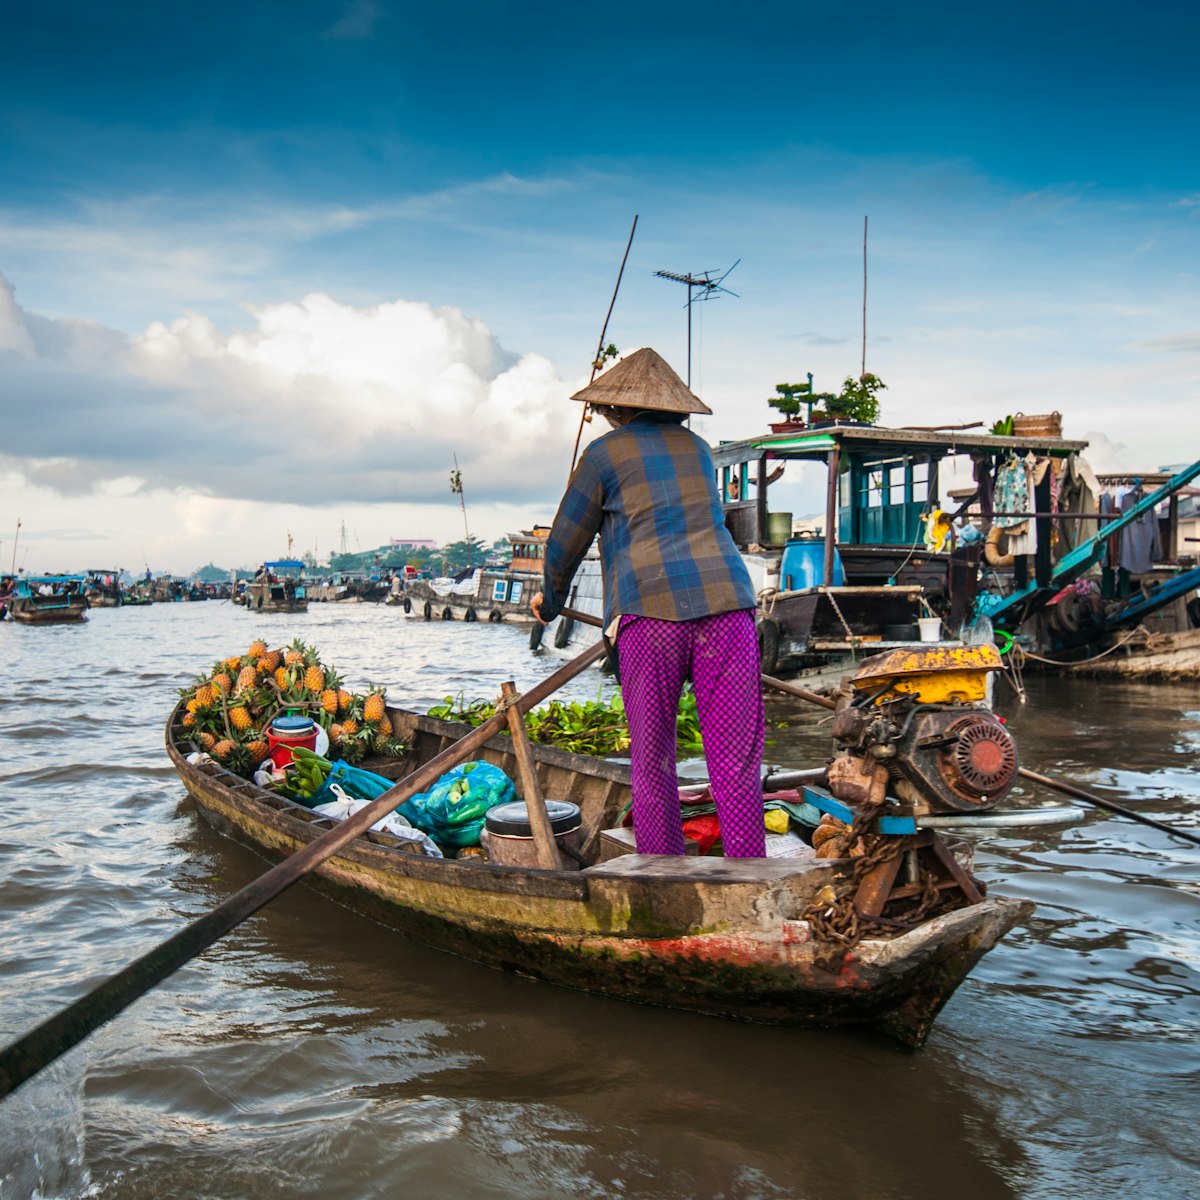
x,y
643,380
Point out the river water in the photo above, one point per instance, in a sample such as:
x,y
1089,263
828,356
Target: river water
x,y
313,1053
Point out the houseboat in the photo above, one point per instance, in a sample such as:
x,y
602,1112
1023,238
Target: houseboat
x,y
503,593
901,555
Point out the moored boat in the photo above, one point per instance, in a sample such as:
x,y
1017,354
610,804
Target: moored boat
x,y
727,937
48,600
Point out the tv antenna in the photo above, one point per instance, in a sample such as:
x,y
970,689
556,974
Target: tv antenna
x,y
701,286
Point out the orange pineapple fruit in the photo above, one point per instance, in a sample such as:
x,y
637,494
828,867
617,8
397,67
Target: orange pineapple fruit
x,y
270,661
373,709
223,749
293,658
344,699
207,741
329,701
239,717
314,679
189,719
258,751
335,732
247,678
257,649
234,662
206,695
384,729
281,678
349,727
223,681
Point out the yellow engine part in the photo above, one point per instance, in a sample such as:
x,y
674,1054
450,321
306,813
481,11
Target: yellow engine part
x,y
939,675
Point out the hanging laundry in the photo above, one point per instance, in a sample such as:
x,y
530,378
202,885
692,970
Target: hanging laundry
x,y
1011,493
1141,544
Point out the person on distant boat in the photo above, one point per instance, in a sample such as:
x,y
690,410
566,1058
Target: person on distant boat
x,y
678,600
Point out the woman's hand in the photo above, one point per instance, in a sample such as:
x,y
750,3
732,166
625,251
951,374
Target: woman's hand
x,y
536,605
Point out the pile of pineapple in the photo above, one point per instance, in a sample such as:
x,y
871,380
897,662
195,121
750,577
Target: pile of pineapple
x,y
229,710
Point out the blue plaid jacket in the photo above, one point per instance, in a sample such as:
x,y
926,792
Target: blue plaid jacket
x,y
649,490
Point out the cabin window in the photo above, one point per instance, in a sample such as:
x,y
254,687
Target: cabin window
x,y
514,594
500,590
882,500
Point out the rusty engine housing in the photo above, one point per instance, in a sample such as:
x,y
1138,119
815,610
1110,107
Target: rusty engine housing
x,y
918,722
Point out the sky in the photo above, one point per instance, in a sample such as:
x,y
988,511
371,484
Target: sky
x,y
270,270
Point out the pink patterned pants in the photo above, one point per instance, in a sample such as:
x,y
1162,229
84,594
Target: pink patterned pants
x,y
719,654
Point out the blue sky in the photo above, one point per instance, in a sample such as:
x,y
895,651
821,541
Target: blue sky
x,y
371,236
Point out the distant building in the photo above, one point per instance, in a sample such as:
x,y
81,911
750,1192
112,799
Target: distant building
x,y
412,543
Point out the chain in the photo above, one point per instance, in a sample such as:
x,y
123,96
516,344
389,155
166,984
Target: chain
x,y
837,926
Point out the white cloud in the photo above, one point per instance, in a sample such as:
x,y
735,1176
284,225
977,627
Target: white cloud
x,y
317,404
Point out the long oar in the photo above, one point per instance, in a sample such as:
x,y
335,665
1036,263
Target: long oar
x,y
29,1054
1067,789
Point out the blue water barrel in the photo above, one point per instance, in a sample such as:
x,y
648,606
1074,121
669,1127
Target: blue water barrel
x,y
803,565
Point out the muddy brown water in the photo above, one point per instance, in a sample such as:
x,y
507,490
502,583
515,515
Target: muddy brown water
x,y
313,1053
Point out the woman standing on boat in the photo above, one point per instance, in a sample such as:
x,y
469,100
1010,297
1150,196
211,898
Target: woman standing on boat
x,y
678,600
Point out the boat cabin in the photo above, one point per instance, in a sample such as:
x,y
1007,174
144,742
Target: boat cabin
x,y
874,567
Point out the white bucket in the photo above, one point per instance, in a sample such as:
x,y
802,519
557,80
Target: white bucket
x,y
931,628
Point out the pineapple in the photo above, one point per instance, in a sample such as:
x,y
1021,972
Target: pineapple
x,y
258,751
189,719
345,700
239,717
329,701
335,732
349,727
223,681
293,658
223,749
206,695
232,664
257,649
384,730
282,678
314,679
247,678
373,709
270,662
207,741
193,704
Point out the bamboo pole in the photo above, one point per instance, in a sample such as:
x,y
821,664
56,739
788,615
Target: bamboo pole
x,y
25,1057
535,805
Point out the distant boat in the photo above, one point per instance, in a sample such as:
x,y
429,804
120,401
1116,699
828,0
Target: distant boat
x,y
49,600
279,587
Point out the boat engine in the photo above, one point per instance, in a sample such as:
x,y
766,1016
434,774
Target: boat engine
x,y
917,725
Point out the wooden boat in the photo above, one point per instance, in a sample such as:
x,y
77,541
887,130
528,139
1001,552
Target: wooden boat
x,y
708,934
280,587
48,600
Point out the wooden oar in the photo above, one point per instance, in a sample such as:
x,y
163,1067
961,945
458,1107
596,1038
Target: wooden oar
x,y
1067,789
29,1054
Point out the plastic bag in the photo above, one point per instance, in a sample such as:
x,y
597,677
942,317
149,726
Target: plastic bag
x,y
452,811
341,805
354,781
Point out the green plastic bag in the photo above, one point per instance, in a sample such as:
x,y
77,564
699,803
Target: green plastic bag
x,y
452,811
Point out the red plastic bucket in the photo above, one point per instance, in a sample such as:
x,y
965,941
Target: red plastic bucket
x,y
286,733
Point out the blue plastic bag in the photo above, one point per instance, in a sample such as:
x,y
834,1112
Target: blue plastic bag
x,y
453,810
354,781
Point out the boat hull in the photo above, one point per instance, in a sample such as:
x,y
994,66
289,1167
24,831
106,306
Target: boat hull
x,y
710,935
30,611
